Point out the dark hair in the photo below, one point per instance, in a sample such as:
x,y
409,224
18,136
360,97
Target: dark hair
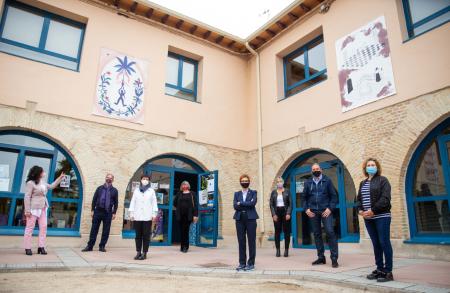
x,y
376,163
244,176
145,176
35,174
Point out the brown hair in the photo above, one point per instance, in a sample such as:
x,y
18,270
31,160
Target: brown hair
x,y
145,176
244,176
376,163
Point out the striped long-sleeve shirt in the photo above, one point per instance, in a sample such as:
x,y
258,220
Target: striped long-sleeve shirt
x,y
366,203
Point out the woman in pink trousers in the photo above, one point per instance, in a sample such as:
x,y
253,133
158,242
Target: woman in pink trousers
x,y
36,205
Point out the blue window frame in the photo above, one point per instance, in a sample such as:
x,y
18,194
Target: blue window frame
x,y
19,151
424,15
39,35
304,67
428,188
181,77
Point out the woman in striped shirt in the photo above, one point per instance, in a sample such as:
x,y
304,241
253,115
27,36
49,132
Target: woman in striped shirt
x,y
374,205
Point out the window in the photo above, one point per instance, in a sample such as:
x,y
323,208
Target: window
x,y
304,67
428,188
181,77
424,15
39,35
19,151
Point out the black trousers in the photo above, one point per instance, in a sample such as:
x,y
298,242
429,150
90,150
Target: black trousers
x,y
329,230
143,230
100,215
184,231
246,228
282,225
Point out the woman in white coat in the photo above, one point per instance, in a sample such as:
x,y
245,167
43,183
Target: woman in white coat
x,y
143,208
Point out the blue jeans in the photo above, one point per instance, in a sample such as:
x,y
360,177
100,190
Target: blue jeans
x,y
380,233
329,230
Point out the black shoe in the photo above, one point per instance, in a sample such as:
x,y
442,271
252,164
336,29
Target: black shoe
x,y
143,256
249,268
185,250
28,252
286,252
374,275
102,249
240,268
87,248
41,250
334,263
278,253
385,277
138,256
319,261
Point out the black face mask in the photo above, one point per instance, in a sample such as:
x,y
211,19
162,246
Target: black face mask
x,y
245,184
108,181
316,173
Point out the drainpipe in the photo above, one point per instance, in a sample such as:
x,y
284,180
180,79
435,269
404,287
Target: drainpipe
x,y
260,151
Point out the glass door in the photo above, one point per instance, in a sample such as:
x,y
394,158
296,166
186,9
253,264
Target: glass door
x,y
162,182
207,225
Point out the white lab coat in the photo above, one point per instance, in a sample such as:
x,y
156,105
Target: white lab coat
x,y
143,206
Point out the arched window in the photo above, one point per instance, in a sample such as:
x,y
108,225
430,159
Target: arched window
x,y
346,223
428,188
21,150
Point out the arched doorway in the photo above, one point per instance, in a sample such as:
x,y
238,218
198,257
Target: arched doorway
x,y
428,188
21,150
166,174
346,223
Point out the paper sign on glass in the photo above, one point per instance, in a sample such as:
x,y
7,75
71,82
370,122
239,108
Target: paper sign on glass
x,y
203,197
154,185
65,182
211,185
4,184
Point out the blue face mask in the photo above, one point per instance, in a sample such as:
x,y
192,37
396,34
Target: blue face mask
x,y
371,170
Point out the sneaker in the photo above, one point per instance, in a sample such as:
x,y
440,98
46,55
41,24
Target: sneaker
x,y
249,268
385,277
319,261
240,268
374,275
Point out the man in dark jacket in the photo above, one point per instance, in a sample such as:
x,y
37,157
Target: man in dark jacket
x,y
320,201
104,207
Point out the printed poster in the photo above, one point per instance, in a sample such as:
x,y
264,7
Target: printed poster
x,y
120,87
364,65
65,182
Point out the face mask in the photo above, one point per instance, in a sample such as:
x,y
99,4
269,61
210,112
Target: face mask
x,y
184,188
109,181
316,173
144,182
371,170
279,185
245,184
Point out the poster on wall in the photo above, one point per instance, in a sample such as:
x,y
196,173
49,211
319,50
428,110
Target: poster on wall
x,y
364,65
120,90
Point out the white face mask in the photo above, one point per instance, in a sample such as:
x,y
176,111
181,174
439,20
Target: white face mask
x,y
144,182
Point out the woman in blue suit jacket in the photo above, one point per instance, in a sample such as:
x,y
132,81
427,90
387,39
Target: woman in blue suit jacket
x,y
245,215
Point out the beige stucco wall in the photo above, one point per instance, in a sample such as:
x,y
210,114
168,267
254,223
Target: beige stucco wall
x,y
223,81
420,66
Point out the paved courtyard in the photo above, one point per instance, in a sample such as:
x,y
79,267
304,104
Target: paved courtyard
x,y
207,268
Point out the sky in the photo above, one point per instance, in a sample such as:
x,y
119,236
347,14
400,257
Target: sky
x,y
237,17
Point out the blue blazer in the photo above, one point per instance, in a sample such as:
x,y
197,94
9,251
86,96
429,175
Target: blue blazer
x,y
248,205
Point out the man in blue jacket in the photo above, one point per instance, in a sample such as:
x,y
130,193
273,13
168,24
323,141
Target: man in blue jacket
x,y
320,201
245,215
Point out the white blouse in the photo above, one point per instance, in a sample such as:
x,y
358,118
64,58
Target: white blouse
x,y
280,201
143,206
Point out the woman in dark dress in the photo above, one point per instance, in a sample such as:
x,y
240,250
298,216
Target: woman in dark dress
x,y
186,212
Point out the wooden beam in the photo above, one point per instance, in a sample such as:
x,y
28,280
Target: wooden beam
x,y
281,25
193,29
149,13
218,39
292,15
271,32
305,7
164,18
260,39
133,7
231,44
206,34
116,3
179,24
